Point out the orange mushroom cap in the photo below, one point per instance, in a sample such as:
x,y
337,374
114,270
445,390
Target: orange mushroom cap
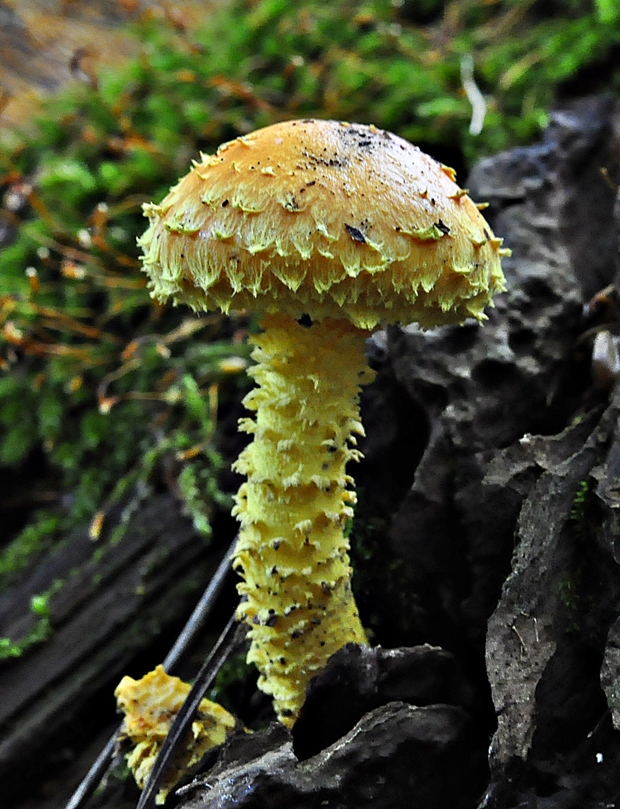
x,y
328,219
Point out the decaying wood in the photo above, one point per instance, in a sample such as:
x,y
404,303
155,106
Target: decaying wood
x,y
108,613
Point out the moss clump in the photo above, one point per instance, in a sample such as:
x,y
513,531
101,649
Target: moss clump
x,y
40,631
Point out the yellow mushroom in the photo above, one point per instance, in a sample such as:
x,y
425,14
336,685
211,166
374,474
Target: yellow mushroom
x,y
347,226
150,706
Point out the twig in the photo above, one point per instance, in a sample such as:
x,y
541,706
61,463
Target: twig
x,y
474,96
202,610
232,636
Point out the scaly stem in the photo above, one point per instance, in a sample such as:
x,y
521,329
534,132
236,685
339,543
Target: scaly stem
x,y
292,552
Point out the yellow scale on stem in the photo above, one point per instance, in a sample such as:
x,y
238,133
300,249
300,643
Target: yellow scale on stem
x,y
293,552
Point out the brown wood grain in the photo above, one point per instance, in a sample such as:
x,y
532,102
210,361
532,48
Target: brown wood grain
x,y
48,44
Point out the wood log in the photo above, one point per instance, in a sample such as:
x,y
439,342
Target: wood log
x,y
114,612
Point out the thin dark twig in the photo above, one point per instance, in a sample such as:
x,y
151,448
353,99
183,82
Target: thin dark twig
x,y
232,636
202,610
96,772
194,623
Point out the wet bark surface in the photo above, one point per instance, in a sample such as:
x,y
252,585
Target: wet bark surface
x,y
486,544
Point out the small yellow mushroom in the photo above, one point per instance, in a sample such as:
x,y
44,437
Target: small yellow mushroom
x,y
347,226
150,706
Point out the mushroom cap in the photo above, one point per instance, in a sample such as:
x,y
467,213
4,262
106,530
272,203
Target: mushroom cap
x,y
328,219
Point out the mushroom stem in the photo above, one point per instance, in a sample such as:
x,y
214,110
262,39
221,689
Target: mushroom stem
x,y
292,551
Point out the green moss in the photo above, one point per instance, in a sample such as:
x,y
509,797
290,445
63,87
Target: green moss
x,y
41,630
234,671
580,503
568,593
32,540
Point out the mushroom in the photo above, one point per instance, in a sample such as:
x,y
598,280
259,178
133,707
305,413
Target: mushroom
x,y
150,706
326,229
